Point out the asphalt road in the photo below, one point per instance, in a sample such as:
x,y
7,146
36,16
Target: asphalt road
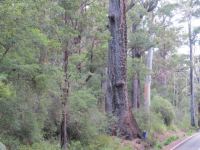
x,y
192,144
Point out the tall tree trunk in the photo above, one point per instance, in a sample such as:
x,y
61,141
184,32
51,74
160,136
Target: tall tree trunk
x,y
199,114
136,87
64,137
126,125
174,89
136,91
192,106
147,87
65,95
103,90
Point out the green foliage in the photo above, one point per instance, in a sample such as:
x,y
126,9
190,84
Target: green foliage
x,y
158,146
34,35
10,141
5,91
41,146
148,124
170,140
159,126
7,107
41,82
164,107
102,142
140,40
85,119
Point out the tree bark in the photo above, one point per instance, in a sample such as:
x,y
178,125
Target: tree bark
x,y
199,114
192,105
64,136
147,87
136,93
117,94
65,95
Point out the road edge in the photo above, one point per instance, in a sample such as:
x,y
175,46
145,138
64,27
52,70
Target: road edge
x,y
182,142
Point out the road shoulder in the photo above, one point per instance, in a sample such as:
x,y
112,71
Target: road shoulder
x,y
179,142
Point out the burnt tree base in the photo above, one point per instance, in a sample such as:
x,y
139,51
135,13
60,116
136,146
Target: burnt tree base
x,y
126,127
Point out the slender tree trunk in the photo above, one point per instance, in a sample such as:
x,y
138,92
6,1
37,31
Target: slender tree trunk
x,y
103,91
192,105
65,95
147,86
117,94
174,89
136,87
109,92
199,114
134,92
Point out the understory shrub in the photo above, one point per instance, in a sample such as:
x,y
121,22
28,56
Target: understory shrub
x,y
101,142
164,107
41,146
85,119
152,122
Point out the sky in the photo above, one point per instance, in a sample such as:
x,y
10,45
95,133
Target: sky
x,y
184,49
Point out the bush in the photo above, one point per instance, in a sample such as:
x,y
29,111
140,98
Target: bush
x,y
102,142
155,123
85,119
41,146
11,142
170,140
164,107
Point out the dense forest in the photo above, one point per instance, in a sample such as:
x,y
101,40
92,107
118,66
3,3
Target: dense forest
x,y
98,74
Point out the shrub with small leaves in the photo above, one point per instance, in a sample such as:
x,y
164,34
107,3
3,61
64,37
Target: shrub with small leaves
x,y
164,107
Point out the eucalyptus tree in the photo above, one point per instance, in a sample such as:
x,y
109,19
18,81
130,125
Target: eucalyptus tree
x,y
117,94
139,42
191,10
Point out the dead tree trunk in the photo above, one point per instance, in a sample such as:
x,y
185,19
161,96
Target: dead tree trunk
x,y
117,94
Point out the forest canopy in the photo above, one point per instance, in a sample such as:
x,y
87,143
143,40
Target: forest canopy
x,y
90,74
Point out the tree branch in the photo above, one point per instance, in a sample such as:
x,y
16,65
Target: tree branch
x,y
149,5
131,5
5,52
152,5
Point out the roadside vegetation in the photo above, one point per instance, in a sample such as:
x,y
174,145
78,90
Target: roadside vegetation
x,y
98,75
